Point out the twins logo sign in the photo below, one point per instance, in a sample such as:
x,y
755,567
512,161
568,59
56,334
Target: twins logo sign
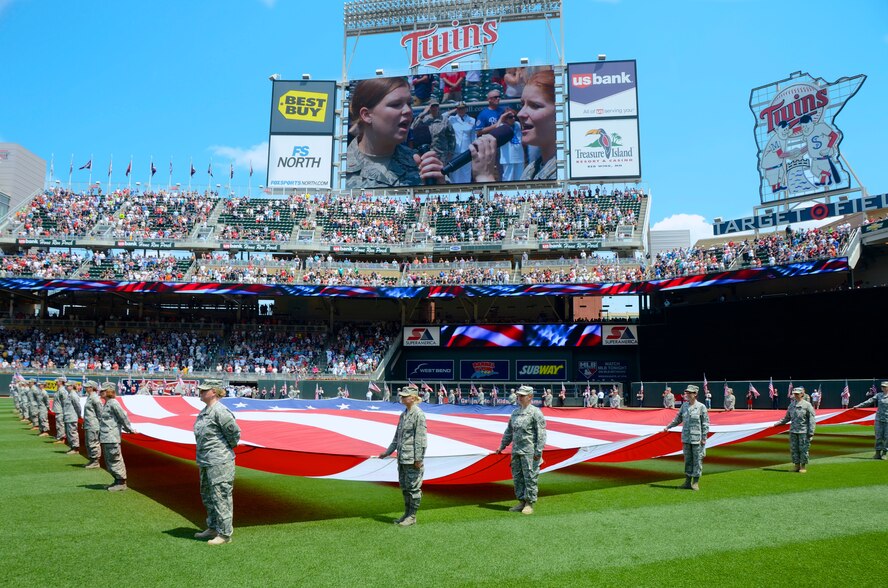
x,y
797,139
620,335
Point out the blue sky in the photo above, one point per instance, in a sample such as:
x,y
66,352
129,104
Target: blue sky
x,y
189,79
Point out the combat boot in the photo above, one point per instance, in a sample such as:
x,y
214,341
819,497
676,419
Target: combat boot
x,y
118,487
687,484
93,464
400,519
883,457
43,434
694,484
72,452
795,467
408,521
206,534
803,469
518,507
219,540
878,455
528,509
59,441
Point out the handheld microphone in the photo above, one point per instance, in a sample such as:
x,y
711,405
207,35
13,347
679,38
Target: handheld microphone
x,y
503,135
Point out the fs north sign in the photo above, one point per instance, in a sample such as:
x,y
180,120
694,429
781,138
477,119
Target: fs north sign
x,y
422,336
797,138
437,48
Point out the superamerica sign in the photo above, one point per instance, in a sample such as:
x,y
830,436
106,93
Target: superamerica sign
x,y
797,138
438,48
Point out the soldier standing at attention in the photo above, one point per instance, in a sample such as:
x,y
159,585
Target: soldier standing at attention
x,y
730,399
526,432
410,443
71,410
695,428
42,400
800,416
113,420
217,434
58,408
30,396
92,415
668,398
880,400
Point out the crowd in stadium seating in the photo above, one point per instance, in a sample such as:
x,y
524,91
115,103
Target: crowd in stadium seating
x,y
685,261
162,215
39,264
129,266
144,351
583,214
60,213
460,276
255,349
776,248
584,273
363,219
473,219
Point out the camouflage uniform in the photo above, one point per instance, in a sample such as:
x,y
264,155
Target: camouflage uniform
x,y
800,416
58,409
880,400
443,136
71,409
41,399
730,402
669,400
410,443
15,392
113,420
695,428
366,171
92,414
526,432
217,434
30,396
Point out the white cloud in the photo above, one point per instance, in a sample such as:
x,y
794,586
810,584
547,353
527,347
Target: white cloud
x,y
242,157
699,227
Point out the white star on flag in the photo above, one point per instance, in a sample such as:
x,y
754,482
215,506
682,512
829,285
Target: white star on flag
x,y
343,406
240,405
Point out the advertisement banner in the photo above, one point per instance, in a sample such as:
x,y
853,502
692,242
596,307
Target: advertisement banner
x,y
602,89
422,336
603,371
484,369
619,335
797,137
540,369
604,149
302,107
517,118
300,161
429,370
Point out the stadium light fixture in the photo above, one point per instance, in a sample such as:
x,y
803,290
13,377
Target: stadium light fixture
x,y
274,77
454,66
306,76
380,72
602,57
524,61
717,220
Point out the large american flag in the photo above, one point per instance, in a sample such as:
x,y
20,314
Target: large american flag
x,y
338,438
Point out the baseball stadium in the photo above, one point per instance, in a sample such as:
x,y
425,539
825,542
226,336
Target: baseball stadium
x,y
441,273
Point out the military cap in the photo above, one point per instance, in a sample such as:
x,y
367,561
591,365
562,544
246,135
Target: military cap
x,y
108,386
409,390
524,391
91,384
692,389
799,390
211,385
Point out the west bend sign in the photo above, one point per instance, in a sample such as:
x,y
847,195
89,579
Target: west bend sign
x,y
437,48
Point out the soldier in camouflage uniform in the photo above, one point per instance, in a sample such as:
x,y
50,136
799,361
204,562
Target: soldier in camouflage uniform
x,y
41,399
695,428
880,400
58,408
668,398
113,420
217,434
71,409
526,432
92,414
22,405
801,419
730,399
29,393
380,115
410,443
443,138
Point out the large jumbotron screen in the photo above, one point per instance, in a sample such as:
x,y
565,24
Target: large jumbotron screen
x,y
401,127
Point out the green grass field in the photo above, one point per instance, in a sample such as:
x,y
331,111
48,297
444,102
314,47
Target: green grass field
x,y
753,523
